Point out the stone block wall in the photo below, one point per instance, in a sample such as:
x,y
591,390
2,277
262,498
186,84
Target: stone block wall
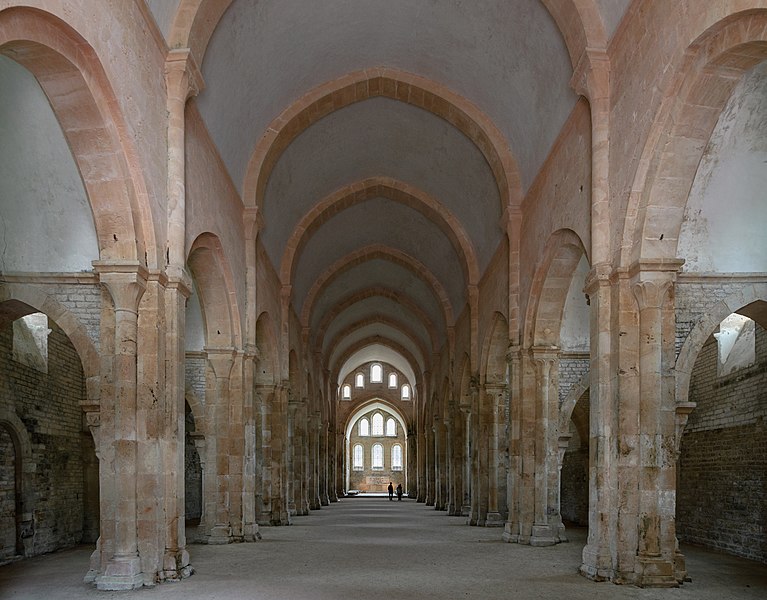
x,y
572,367
194,368
7,496
84,302
47,404
722,499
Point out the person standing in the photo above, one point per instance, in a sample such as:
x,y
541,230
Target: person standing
x,y
391,492
399,492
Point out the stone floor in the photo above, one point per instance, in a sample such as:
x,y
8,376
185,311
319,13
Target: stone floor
x,y
372,548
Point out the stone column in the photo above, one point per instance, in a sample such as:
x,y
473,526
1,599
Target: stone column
x,y
603,426
279,450
250,466
466,461
453,504
657,485
421,466
339,464
411,466
315,437
176,558
430,468
263,486
126,283
474,458
495,397
217,507
512,528
547,525
292,458
440,464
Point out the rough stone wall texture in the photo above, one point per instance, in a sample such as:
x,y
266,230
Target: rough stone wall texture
x,y
194,367
192,474
84,302
721,493
574,490
7,496
48,406
572,368
693,299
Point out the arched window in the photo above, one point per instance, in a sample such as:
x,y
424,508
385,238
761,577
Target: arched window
x,y
391,427
405,391
396,457
346,392
359,380
377,456
364,427
359,458
378,424
392,380
376,373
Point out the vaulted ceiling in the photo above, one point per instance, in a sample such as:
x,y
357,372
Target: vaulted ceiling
x,y
376,139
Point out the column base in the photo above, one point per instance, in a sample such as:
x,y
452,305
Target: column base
x,y
176,566
494,519
250,533
220,535
510,533
655,571
121,574
465,510
596,565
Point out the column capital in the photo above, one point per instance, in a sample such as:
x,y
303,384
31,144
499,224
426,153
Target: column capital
x,y
182,75
125,281
652,294
598,277
221,360
591,76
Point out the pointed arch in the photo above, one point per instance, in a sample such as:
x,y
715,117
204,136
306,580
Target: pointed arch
x,y
494,353
215,285
372,252
389,83
70,73
384,292
551,283
266,344
396,191
714,63
750,302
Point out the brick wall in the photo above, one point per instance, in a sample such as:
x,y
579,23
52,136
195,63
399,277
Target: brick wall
x,y
572,367
722,498
194,372
84,302
48,406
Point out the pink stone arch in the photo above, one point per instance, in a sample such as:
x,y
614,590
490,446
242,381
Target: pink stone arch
x,y
372,292
398,325
389,83
369,253
494,353
361,344
551,283
713,65
394,190
215,285
78,89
